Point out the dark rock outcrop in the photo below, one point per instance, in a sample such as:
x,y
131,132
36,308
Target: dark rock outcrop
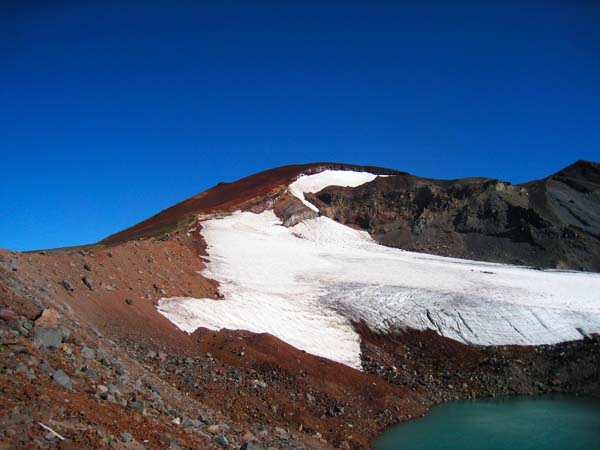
x,y
292,211
549,223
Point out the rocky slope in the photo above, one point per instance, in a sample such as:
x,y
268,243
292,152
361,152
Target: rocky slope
x,y
86,354
549,223
108,364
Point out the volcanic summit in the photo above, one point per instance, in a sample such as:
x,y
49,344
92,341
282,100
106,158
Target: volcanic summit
x,y
307,306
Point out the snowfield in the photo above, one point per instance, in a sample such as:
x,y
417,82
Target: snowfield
x,y
319,181
307,283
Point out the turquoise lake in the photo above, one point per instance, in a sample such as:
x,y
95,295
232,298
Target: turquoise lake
x,y
520,423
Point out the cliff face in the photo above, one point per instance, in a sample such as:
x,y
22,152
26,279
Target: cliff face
x,y
549,223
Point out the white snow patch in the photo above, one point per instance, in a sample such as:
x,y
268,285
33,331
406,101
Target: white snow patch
x,y
318,181
305,284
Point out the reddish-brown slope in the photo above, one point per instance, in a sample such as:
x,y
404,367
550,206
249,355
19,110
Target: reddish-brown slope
x,y
249,382
228,196
125,281
305,394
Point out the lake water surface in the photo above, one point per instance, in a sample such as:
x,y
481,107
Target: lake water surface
x,y
523,423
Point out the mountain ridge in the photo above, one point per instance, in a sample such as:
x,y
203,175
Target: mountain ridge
x,y
226,195
548,223
87,350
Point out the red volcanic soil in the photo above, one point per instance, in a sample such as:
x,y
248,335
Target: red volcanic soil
x,y
228,196
223,197
134,380
238,381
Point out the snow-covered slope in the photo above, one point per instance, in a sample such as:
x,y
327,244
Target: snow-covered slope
x,y
307,283
319,181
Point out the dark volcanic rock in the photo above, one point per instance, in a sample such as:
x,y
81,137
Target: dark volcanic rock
x,y
65,284
222,441
87,281
443,369
292,211
48,337
62,379
549,223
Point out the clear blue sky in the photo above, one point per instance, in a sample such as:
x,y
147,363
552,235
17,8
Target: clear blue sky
x,y
112,111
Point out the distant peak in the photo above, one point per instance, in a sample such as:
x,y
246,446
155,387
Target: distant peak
x,y
580,168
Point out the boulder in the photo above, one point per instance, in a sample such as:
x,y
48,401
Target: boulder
x,y
22,368
88,352
62,379
46,332
47,337
48,319
222,441
66,285
87,281
137,404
